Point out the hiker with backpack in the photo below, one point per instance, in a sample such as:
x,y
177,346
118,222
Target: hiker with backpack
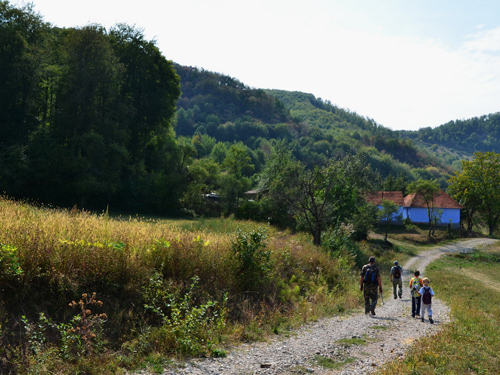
x,y
415,285
426,293
397,279
370,285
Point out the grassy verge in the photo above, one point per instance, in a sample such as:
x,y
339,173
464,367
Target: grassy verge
x,y
469,285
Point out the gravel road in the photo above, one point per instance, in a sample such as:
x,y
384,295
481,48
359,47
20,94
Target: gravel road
x,y
388,335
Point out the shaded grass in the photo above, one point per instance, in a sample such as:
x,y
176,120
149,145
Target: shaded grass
x,y
470,344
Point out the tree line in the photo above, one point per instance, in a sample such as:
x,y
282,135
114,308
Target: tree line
x,y
86,115
477,134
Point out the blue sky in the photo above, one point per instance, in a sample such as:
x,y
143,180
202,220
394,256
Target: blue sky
x,y
406,64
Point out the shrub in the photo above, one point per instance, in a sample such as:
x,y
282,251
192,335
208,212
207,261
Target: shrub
x,y
337,243
254,260
188,327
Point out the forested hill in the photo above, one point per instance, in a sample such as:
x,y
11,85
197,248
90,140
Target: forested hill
x,y
475,134
226,109
222,108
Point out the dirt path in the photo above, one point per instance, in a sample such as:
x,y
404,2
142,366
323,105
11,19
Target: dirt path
x,y
384,336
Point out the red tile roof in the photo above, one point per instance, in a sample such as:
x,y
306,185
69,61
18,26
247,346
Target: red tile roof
x,y
376,197
442,200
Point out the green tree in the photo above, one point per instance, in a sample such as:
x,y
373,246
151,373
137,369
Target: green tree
x,y
150,89
234,180
389,213
320,197
428,190
219,152
23,37
477,187
470,201
202,179
88,120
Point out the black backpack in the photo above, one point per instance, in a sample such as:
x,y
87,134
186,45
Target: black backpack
x,y
427,296
397,272
370,276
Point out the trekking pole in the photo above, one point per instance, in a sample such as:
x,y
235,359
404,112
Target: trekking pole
x,y
382,296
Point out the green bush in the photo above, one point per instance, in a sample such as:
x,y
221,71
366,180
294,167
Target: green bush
x,y
254,260
337,243
188,327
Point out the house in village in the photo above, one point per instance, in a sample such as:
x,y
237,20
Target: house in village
x,y
394,196
414,207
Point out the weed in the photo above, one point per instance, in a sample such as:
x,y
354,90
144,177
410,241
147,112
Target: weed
x,y
380,328
80,337
194,328
50,255
219,353
332,364
86,325
35,334
352,341
9,262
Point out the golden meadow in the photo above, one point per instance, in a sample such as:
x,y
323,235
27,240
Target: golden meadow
x,y
75,286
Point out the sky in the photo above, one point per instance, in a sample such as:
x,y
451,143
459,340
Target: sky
x,y
406,64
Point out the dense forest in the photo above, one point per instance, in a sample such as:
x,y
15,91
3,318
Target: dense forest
x,y
86,115
471,135
101,119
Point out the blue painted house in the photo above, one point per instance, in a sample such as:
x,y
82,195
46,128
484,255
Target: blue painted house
x,y
394,196
415,209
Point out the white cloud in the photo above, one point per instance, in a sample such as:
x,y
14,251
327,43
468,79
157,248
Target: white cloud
x,y
484,41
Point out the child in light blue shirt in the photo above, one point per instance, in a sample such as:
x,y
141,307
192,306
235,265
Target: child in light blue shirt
x,y
426,294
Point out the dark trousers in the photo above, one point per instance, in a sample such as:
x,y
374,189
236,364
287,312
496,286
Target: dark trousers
x,y
371,297
415,306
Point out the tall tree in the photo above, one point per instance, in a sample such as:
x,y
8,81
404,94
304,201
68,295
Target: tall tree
x,y
234,180
149,90
82,145
23,35
150,87
22,38
477,186
428,190
388,214
319,197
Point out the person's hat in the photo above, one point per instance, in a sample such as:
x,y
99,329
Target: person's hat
x,y
426,280
396,262
372,260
